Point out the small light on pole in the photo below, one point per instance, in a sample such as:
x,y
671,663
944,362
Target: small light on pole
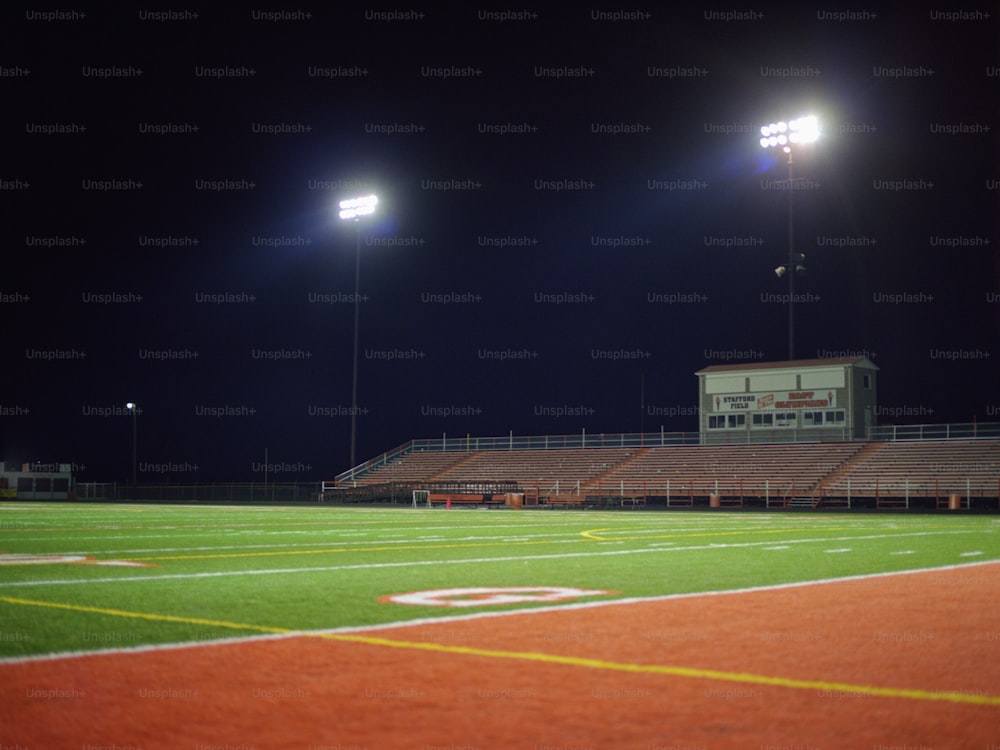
x,y
354,209
785,134
133,408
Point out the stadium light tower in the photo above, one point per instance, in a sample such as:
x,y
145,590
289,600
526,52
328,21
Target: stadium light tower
x,y
134,409
353,209
789,135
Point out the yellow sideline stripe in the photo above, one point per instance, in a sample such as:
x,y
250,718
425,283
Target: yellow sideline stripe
x,y
674,671
542,658
143,615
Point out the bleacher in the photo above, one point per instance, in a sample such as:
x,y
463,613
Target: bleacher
x,y
732,474
847,474
546,475
894,473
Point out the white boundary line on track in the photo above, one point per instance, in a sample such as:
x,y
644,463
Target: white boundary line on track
x,y
444,620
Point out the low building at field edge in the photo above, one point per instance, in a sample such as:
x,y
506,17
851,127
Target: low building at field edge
x,y
803,400
36,481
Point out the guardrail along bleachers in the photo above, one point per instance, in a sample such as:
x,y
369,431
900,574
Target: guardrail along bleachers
x,y
892,473
732,473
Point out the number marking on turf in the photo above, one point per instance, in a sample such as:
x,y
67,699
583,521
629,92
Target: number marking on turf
x,y
482,596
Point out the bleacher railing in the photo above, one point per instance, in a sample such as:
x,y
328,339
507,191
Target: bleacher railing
x,y
969,431
584,439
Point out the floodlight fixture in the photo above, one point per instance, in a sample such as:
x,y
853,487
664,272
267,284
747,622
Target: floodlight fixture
x,y
779,271
352,208
805,129
800,130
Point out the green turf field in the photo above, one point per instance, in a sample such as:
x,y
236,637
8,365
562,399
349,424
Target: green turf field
x,y
84,577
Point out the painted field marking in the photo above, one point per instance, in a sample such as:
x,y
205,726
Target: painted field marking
x,y
649,549
777,547
274,632
18,559
608,534
25,559
676,671
491,596
327,525
287,545
141,615
975,553
342,550
837,551
904,552
596,534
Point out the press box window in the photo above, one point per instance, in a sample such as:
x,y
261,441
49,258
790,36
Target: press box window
x,y
785,419
726,421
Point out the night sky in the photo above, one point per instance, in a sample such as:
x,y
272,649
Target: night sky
x,y
575,215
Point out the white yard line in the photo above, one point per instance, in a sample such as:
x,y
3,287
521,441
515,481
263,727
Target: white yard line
x,y
119,580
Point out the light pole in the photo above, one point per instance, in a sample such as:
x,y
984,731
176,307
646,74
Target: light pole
x,y
133,408
795,132
353,209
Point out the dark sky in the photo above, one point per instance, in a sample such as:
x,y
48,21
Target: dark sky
x,y
575,216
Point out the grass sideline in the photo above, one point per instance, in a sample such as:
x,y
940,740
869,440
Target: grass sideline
x,y
92,577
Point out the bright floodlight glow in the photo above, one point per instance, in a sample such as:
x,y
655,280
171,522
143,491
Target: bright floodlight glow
x,y
800,130
354,207
807,128
130,406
